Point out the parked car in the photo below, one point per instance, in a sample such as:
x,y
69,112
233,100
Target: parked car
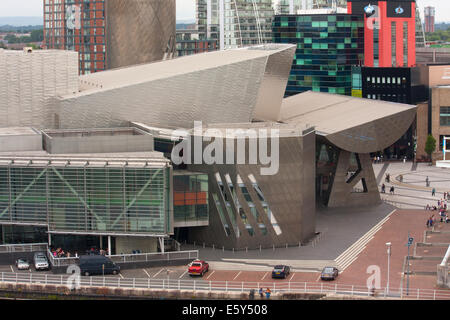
x,y
97,264
329,273
198,267
281,271
41,261
22,264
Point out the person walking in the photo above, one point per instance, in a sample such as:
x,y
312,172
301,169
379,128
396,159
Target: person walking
x,y
433,192
392,190
261,292
383,188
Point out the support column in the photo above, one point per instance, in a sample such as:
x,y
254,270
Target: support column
x,y
161,244
49,239
109,245
101,242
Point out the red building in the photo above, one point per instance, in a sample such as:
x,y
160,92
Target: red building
x,y
389,33
77,25
430,16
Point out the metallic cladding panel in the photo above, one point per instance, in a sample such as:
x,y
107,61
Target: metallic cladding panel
x,y
138,31
374,136
289,193
30,81
272,89
226,93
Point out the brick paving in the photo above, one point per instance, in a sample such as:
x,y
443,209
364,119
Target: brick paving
x,y
431,251
395,230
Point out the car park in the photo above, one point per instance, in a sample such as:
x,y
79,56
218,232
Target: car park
x,y
22,264
41,261
97,264
198,267
281,271
329,273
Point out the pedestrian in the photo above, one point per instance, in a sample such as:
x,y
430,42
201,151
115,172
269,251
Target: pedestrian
x,y
388,177
445,195
268,292
383,188
433,192
428,207
261,293
427,182
392,190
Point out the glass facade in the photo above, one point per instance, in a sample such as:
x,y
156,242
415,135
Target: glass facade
x,y
190,197
327,48
87,200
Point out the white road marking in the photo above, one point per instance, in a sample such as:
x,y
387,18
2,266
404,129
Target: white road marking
x,y
146,273
318,278
12,270
121,276
158,272
182,274
292,277
264,275
237,275
210,274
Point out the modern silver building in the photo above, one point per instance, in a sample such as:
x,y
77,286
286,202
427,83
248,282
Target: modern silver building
x,y
132,188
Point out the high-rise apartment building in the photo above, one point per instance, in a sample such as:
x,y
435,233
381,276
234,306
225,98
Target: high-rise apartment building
x,y
389,32
235,23
111,34
430,19
294,6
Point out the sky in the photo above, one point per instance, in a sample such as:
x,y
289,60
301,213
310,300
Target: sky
x,y
185,8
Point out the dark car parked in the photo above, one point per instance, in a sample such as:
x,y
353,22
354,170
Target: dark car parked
x,y
97,264
281,271
329,273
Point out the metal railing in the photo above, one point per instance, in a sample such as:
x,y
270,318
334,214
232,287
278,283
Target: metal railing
x,y
124,258
226,286
27,247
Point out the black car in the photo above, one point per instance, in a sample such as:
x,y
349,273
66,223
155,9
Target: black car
x,y
329,273
281,271
97,264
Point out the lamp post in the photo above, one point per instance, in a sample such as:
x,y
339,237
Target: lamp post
x,y
388,244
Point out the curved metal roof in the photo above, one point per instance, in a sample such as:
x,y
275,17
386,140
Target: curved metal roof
x,y
353,124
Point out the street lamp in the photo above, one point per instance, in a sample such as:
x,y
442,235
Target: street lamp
x,y
388,244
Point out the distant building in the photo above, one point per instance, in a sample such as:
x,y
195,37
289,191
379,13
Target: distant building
x,y
389,32
430,19
327,48
111,34
188,43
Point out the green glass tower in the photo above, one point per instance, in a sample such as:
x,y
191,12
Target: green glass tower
x,y
327,48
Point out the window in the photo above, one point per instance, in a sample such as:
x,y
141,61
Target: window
x,y
445,116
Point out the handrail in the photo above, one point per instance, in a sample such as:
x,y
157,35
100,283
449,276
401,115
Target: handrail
x,y
446,257
227,286
23,247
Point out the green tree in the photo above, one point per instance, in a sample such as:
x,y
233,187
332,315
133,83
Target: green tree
x,y
430,145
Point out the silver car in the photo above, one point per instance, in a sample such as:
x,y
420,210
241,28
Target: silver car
x,y
40,261
22,264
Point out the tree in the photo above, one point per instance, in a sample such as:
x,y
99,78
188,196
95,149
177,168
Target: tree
x,y
430,145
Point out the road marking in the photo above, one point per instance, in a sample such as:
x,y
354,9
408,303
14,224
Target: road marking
x,y
146,273
183,275
293,274
318,278
158,272
264,276
237,275
12,270
210,274
121,276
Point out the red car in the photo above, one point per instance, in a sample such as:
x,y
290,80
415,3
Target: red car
x,y
198,268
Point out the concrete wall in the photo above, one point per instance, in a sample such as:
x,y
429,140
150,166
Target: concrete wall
x,y
11,143
99,144
126,245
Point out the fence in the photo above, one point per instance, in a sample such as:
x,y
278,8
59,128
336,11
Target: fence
x,y
226,286
31,247
124,258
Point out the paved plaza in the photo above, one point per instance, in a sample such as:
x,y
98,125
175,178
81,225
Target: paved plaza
x,y
355,238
